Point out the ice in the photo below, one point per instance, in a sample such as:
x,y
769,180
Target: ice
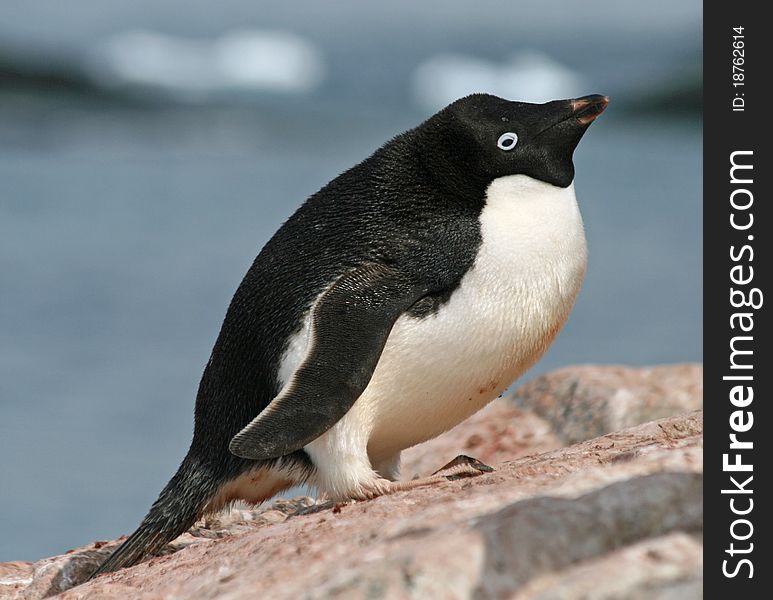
x,y
238,61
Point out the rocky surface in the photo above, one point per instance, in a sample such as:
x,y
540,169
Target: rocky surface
x,y
617,516
583,402
497,433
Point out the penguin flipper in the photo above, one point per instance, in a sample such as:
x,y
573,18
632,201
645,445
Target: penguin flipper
x,y
351,322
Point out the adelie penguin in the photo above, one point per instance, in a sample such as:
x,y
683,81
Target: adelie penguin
x,y
397,301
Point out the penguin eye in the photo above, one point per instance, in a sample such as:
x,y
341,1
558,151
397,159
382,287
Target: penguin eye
x,y
507,141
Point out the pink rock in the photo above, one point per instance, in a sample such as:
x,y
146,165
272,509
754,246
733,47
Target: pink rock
x,y
546,523
586,401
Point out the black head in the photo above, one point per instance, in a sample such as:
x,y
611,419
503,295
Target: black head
x,y
485,137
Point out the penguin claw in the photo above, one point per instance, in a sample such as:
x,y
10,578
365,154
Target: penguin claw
x,y
459,468
462,466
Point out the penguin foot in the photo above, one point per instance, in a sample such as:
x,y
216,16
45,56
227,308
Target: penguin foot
x,y
459,468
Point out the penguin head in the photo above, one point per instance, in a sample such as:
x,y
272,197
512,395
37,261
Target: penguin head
x,y
486,137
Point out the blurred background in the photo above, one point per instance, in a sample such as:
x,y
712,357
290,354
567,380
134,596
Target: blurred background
x,y
148,150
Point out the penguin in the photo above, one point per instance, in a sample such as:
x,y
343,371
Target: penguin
x,y
397,301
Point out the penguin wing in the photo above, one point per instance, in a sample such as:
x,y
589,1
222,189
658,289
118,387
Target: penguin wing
x,y
350,325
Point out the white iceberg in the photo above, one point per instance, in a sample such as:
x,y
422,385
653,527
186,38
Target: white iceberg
x,y
274,61
528,76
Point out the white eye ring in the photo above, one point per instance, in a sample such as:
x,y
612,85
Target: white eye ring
x,y
507,141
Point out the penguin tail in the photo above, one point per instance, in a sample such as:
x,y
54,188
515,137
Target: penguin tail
x,y
179,505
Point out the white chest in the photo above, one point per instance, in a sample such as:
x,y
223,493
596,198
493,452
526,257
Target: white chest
x,y
437,371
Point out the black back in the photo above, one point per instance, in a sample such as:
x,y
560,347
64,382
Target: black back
x,y
386,210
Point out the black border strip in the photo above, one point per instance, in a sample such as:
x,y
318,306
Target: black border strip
x,y
745,132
